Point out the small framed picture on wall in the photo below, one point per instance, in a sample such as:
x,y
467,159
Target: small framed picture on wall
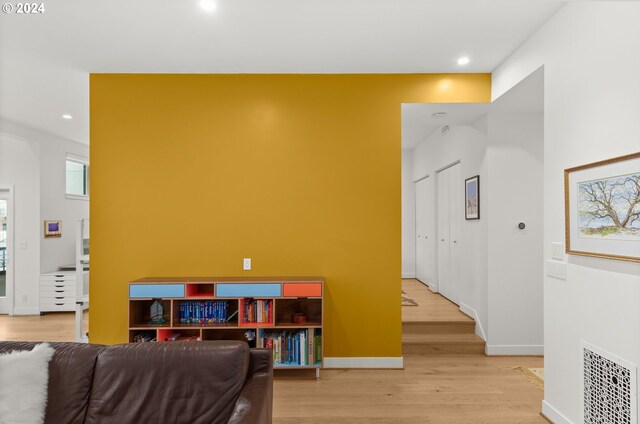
x,y
52,229
472,198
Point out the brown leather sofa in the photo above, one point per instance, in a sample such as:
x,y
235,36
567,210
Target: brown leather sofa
x,y
155,383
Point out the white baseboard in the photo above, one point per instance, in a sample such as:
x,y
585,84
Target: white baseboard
x,y
26,310
408,275
432,287
365,362
553,415
470,312
514,350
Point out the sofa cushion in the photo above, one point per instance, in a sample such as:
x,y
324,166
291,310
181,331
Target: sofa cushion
x,y
172,382
70,377
24,377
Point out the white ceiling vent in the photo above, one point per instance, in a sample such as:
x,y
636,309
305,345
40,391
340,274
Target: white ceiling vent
x,y
609,388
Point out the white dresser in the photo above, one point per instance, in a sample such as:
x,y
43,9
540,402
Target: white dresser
x,y
58,290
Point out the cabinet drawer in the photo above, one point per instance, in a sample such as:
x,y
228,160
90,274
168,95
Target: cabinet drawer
x,y
51,278
141,291
301,289
248,290
66,300
57,291
58,306
45,285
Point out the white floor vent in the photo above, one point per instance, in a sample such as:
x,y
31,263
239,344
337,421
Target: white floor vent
x,y
609,388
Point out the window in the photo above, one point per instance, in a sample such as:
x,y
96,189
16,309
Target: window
x,y
77,177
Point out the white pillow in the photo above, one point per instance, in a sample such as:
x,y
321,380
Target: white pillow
x,y
24,376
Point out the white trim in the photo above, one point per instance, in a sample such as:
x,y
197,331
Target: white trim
x,y
365,362
408,275
76,158
514,350
421,178
422,282
26,310
10,252
432,287
452,164
76,197
552,414
471,313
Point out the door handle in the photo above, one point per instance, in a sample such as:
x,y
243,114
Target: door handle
x,y
455,241
441,239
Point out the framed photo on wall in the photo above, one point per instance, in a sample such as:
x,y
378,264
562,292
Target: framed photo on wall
x,y
472,198
602,209
52,229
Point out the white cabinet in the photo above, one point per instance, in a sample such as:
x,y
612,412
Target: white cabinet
x,y
450,199
58,290
425,257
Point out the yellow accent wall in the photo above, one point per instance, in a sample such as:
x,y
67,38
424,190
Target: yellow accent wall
x,y
301,173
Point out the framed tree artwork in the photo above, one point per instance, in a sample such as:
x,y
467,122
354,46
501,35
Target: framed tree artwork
x,y
602,209
472,198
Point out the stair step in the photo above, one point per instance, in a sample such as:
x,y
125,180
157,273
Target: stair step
x,y
438,327
442,343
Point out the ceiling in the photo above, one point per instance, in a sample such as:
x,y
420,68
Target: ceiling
x,y
418,121
45,59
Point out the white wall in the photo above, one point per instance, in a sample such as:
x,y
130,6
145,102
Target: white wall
x,y
33,162
515,158
19,168
467,145
592,104
55,206
408,217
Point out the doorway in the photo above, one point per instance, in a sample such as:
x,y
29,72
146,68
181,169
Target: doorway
x,y
449,212
6,274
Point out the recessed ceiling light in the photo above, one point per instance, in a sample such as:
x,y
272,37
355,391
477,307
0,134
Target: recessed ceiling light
x,y
67,116
208,5
439,115
463,61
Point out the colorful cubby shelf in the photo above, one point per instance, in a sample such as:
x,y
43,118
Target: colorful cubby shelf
x,y
284,314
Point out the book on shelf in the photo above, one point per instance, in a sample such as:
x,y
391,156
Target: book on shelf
x,y
298,347
204,312
257,311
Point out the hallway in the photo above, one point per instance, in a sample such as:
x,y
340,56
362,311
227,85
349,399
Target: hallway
x,y
436,325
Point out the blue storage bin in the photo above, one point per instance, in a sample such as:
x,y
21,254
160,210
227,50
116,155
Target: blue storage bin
x,y
137,291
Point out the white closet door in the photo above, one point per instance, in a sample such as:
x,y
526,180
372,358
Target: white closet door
x,y
422,234
443,241
456,211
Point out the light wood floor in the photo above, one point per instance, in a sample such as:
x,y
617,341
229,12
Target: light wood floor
x,y
431,306
432,389
52,327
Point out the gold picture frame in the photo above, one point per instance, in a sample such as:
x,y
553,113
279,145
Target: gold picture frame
x,y
52,229
602,209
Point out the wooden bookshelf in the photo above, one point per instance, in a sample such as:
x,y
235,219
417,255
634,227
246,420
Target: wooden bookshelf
x,y
283,312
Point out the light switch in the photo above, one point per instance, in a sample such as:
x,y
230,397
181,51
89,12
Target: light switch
x,y
557,250
246,264
556,269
